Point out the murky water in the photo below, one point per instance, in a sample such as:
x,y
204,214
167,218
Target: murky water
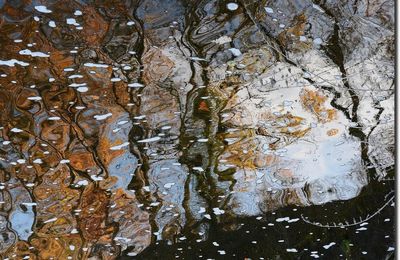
x,y
197,130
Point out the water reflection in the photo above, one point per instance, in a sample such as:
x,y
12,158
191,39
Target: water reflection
x,y
127,123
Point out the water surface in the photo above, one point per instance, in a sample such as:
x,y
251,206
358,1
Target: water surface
x,y
196,130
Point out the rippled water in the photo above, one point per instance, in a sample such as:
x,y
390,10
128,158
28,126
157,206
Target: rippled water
x,y
196,130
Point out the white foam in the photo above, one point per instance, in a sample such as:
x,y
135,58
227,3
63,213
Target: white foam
x,y
169,185
38,161
12,62
52,24
282,219
42,9
34,98
269,10
16,130
72,21
82,183
120,146
222,40
75,85
232,6
102,117
29,204
96,65
329,245
135,85
50,220
33,53
149,140
218,211
75,76
82,89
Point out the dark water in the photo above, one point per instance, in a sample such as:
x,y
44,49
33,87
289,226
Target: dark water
x,y
256,239
197,129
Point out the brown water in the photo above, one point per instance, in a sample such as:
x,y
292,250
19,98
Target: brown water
x,y
196,130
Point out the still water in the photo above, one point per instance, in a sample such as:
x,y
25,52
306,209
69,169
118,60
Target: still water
x,y
197,129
